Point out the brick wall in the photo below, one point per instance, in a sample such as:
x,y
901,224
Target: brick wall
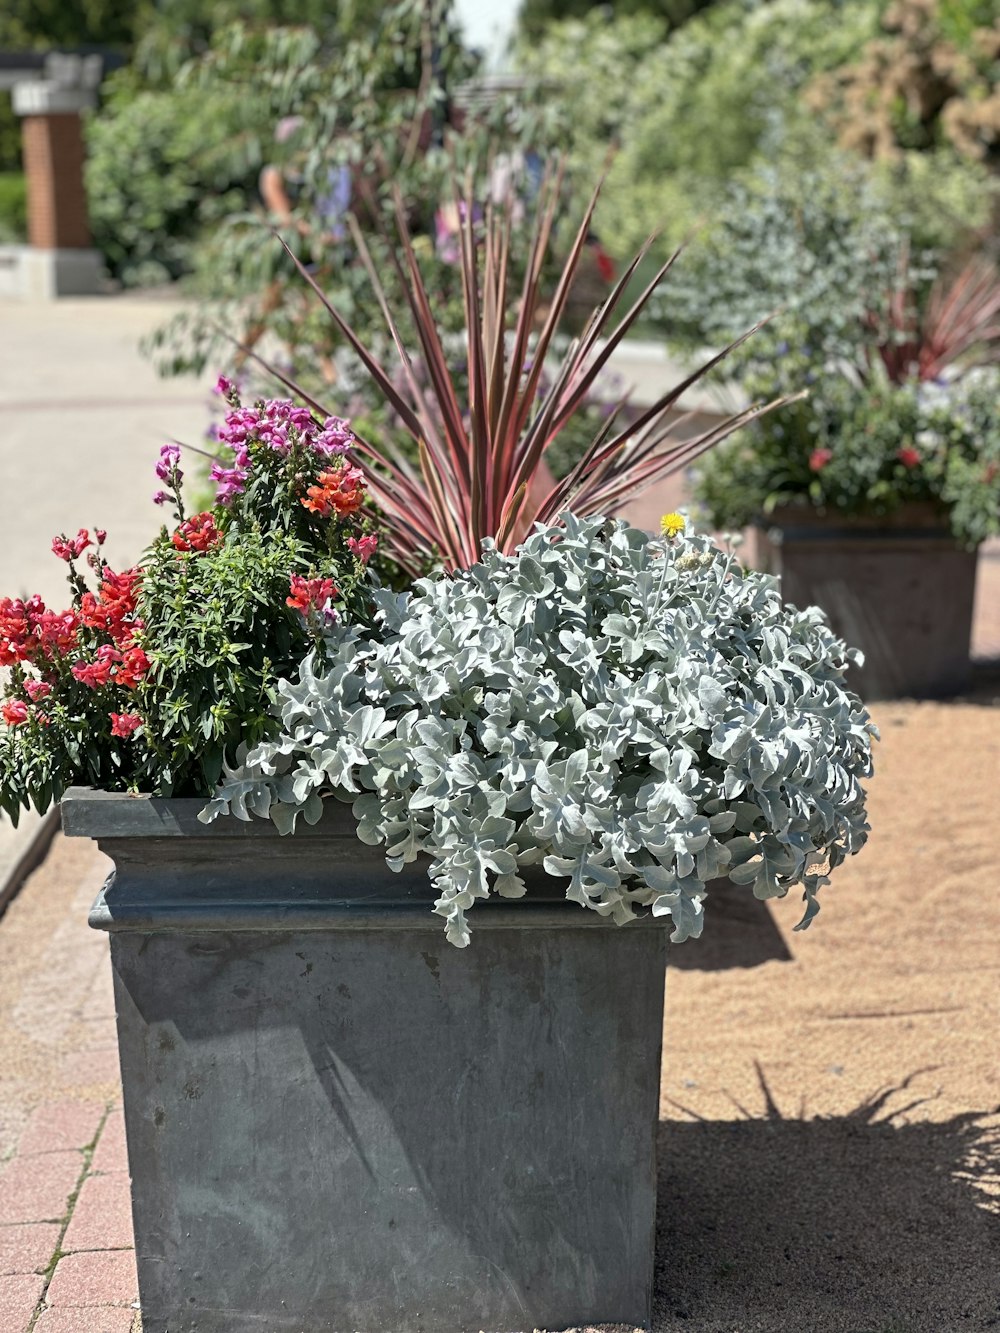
x,y
53,165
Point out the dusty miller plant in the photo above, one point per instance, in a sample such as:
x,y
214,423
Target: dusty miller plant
x,y
640,716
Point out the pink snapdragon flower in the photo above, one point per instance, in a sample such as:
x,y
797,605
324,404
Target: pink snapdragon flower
x,y
363,547
71,548
99,672
231,482
306,595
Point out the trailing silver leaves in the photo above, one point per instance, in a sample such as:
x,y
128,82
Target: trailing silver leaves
x,y
639,717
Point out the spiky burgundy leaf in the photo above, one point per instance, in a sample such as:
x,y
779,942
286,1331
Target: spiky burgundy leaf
x,y
481,457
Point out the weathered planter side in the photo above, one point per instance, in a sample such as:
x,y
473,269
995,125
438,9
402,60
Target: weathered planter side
x,y
336,1121
902,592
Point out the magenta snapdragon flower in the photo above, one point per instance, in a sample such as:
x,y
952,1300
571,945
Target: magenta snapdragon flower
x,y
231,482
170,456
275,422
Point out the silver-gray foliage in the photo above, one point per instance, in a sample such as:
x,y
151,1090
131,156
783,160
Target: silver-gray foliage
x,y
639,716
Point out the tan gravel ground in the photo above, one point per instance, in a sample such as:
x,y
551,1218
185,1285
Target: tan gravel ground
x,y
830,1137
830,1145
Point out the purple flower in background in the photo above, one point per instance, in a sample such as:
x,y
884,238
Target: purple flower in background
x,y
160,498
170,456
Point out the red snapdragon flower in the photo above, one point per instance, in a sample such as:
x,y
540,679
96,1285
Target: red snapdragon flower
x,y
341,492
124,724
819,458
16,638
310,594
99,672
134,665
14,712
37,689
57,632
908,456
29,631
113,608
197,534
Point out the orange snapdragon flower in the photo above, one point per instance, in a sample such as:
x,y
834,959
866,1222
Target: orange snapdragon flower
x,y
339,492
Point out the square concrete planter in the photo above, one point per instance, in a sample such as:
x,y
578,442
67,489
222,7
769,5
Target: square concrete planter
x,y
337,1121
900,588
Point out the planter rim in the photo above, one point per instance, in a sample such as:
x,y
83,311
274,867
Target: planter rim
x,y
913,522
88,812
169,877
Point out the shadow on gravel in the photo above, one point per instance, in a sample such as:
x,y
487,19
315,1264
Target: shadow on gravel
x,y
739,932
862,1223
985,688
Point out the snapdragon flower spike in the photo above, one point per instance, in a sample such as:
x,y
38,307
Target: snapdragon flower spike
x,y
167,468
225,388
340,491
197,534
278,424
29,632
16,632
231,481
169,471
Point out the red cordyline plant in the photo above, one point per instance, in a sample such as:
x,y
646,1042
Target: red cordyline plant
x,y
480,461
959,324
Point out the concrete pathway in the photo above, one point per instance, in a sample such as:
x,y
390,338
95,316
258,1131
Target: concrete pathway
x,y
82,416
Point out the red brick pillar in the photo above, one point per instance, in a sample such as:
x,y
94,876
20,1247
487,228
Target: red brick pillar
x,y
53,168
58,260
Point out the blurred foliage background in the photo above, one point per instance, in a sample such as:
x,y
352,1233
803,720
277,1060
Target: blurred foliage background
x,y
809,151
691,96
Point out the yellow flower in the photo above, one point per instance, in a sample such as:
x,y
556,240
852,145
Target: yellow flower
x,y
671,525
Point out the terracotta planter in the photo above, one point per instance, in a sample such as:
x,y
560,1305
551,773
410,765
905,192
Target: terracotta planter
x,y
336,1121
899,588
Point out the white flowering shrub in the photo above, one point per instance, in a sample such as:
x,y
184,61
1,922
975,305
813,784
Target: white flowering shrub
x,y
637,715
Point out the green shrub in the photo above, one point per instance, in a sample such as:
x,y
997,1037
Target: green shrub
x,y
689,109
866,450
13,207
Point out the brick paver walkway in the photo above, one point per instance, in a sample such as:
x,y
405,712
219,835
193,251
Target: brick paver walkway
x,y
66,1258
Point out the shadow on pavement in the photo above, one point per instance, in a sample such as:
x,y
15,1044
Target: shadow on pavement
x,y
861,1223
739,932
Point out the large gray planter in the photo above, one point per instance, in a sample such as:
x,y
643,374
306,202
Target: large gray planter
x,y
336,1121
899,588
